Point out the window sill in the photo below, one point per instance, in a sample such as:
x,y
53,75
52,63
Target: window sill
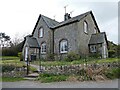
x,y
86,33
63,52
93,51
43,53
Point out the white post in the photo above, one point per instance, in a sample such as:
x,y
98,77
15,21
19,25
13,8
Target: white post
x,y
26,53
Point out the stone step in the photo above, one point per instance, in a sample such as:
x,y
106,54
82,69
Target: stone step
x,y
29,78
32,75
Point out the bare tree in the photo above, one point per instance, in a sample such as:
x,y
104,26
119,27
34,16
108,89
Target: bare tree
x,y
17,39
4,40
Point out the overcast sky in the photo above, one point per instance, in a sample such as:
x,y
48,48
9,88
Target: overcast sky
x,y
18,17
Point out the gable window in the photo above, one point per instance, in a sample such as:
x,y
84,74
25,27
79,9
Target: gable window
x,y
93,48
85,27
63,46
40,32
43,48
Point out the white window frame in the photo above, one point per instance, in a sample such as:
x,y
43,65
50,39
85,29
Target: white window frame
x,y
85,27
64,46
43,48
92,48
41,32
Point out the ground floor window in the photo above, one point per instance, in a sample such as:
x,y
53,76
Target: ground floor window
x,y
92,48
63,46
43,48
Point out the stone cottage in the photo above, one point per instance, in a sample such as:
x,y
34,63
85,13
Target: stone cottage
x,y
79,34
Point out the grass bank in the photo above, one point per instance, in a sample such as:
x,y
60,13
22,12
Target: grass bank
x,y
11,79
10,65
81,61
112,73
47,78
9,57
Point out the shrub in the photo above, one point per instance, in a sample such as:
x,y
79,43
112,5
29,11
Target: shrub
x,y
72,56
95,55
113,73
118,51
9,52
50,57
111,53
20,56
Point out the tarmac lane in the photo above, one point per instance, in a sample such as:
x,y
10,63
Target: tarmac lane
x,y
85,84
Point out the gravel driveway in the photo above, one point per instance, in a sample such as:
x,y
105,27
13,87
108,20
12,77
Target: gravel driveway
x,y
37,84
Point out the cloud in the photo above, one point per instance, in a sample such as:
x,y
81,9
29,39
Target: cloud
x,y
111,29
21,15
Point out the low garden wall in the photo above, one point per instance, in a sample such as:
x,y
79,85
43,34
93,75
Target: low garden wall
x,y
78,69
13,71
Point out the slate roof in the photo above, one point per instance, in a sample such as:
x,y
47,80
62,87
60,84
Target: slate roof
x,y
50,22
97,38
32,42
72,20
54,24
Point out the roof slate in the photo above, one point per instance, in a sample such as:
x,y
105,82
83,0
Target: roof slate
x,y
50,22
97,38
54,24
32,42
73,19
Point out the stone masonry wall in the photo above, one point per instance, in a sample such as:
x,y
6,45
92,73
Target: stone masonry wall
x,y
75,69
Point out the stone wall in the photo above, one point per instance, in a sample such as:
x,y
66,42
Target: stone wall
x,y
76,69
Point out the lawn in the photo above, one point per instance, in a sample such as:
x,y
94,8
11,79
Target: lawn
x,y
9,57
9,64
81,61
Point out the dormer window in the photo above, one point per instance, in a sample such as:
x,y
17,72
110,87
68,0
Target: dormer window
x,y
40,32
85,27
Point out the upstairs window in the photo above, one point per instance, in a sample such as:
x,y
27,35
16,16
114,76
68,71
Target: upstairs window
x,y
63,46
93,48
40,32
43,48
85,27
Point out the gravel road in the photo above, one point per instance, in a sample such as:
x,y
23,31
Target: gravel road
x,y
37,84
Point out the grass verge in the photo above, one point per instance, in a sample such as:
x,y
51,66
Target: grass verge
x,y
47,78
81,61
11,79
9,57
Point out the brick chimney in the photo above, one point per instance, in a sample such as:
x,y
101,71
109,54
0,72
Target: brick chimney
x,y
66,16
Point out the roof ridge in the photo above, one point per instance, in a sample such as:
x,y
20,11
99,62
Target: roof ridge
x,y
73,19
49,18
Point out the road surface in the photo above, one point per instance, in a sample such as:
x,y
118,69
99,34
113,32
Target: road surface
x,y
85,84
